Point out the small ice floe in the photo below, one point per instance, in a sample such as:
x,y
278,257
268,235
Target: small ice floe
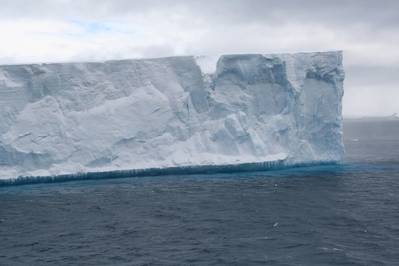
x,y
327,249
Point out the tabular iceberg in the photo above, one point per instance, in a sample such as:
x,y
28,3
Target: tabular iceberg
x,y
67,118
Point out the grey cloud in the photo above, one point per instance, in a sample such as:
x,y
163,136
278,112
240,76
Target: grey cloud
x,y
365,76
368,12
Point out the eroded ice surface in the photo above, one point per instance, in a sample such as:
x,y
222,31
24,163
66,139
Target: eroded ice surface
x,y
177,111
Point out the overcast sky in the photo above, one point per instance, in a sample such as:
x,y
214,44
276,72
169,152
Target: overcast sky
x,y
82,30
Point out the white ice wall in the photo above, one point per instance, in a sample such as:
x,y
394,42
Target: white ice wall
x,y
74,117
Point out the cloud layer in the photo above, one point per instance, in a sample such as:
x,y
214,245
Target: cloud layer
x,y
66,30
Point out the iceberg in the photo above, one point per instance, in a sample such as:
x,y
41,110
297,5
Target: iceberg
x,y
169,113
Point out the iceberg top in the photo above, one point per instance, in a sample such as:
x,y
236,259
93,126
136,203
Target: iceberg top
x,y
65,118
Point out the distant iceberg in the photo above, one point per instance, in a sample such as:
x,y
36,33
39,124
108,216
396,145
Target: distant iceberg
x,y
170,113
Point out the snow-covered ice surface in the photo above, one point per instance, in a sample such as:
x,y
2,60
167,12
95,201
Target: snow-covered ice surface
x,y
166,112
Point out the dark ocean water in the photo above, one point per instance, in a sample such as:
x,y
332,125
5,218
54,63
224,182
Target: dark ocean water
x,y
326,215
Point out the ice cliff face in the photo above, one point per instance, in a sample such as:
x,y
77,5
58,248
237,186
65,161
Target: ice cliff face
x,y
74,117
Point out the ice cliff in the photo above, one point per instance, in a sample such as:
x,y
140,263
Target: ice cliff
x,y
165,112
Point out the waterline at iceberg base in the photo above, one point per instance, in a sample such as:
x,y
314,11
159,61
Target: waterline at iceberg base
x,y
179,170
175,115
